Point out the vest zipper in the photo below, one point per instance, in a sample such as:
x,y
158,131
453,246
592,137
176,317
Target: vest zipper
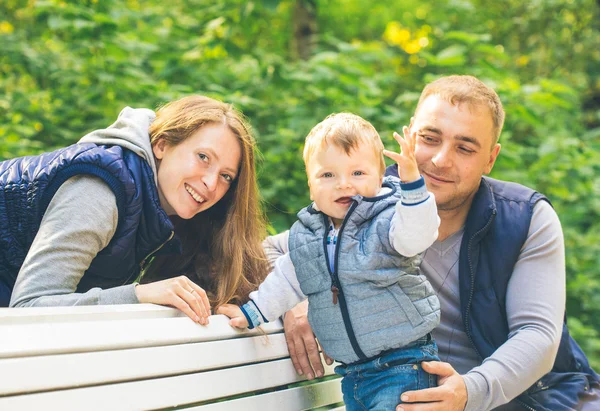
x,y
527,407
471,271
336,286
143,263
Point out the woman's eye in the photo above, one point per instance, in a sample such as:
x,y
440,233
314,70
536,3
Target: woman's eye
x,y
203,157
227,178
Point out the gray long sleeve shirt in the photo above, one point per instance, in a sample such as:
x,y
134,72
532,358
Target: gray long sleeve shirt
x,y
535,308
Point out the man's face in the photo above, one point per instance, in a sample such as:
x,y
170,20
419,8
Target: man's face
x,y
454,149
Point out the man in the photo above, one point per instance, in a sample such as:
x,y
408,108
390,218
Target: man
x,y
497,266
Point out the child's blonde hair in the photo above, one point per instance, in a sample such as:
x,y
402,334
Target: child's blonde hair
x,y
346,131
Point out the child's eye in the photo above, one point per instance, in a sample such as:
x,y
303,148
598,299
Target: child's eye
x,y
202,156
327,175
358,173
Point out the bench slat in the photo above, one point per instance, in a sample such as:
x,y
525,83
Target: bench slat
x,y
39,315
162,392
34,374
299,398
20,340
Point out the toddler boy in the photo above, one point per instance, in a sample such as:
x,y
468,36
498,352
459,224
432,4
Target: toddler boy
x,y
355,254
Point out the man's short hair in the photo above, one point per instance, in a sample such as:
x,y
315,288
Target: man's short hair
x,y
467,89
346,131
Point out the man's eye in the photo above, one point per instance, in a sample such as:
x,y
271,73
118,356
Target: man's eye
x,y
466,150
426,139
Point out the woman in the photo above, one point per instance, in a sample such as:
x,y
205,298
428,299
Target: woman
x,y
167,194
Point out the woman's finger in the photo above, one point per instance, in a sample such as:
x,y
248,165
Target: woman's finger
x,y
187,293
182,305
201,294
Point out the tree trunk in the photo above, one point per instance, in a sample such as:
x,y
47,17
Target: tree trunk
x,y
305,28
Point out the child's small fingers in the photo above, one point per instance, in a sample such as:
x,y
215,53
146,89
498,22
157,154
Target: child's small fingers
x,y
238,322
225,310
394,156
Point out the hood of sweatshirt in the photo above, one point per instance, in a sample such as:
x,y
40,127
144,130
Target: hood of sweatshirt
x,y
130,131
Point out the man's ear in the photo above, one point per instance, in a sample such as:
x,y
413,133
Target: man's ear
x,y
159,148
492,160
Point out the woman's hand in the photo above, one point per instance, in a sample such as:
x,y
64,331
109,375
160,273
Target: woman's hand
x,y
407,163
179,292
238,319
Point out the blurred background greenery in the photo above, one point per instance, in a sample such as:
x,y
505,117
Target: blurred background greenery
x,y
67,67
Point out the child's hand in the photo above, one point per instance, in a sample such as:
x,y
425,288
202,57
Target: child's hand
x,y
407,164
238,319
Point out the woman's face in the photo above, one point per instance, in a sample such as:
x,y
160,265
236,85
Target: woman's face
x,y
195,174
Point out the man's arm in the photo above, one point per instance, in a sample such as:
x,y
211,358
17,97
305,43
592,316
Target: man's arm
x,y
535,308
275,246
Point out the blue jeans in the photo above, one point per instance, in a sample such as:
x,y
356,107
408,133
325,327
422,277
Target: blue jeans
x,y
377,384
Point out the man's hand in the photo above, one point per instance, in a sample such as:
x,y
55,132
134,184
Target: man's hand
x,y
238,319
407,163
450,394
302,344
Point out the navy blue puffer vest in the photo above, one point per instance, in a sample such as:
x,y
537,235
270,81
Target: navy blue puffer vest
x,y
495,230
27,185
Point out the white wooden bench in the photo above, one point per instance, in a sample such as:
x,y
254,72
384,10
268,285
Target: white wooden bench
x,y
146,357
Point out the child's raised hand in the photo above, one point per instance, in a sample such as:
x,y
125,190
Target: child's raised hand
x,y
238,319
407,163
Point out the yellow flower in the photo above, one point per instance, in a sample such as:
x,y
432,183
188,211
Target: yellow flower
x,y
395,34
6,28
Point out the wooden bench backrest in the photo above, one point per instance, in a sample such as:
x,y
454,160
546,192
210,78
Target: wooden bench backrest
x,y
142,357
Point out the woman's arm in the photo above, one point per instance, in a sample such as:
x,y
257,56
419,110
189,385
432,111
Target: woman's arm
x,y
80,221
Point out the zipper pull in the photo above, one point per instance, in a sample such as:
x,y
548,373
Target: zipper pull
x,y
335,292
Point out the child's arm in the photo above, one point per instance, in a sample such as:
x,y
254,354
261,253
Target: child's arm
x,y
278,293
415,224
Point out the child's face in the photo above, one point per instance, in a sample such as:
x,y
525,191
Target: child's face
x,y
334,177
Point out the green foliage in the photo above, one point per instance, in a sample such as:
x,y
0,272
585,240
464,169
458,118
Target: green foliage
x,y
68,67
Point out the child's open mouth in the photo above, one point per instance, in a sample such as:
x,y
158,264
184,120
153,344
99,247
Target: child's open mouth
x,y
344,200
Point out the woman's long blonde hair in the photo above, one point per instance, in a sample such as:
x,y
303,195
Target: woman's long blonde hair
x,y
222,249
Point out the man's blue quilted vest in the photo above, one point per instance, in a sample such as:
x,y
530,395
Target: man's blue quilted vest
x,y
384,301
27,185
495,230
